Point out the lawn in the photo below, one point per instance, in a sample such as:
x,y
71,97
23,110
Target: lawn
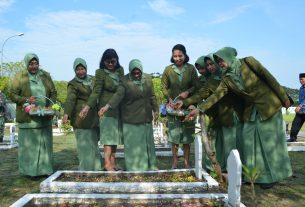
x,y
290,192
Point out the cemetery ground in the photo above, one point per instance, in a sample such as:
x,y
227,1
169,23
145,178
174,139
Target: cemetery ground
x,y
290,192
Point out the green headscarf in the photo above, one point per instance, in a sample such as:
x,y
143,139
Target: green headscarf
x,y
79,61
136,64
228,54
87,80
28,57
218,73
201,63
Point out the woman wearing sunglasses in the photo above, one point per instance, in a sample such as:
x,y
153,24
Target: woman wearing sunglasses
x,y
107,80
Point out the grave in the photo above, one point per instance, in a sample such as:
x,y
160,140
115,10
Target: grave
x,y
141,193
10,141
118,200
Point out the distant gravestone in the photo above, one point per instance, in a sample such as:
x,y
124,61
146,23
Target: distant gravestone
x,y
198,157
234,178
12,134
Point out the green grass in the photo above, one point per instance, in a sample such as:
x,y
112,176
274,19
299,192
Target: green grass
x,y
290,192
289,118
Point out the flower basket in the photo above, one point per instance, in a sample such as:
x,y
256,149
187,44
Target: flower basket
x,y
176,112
34,110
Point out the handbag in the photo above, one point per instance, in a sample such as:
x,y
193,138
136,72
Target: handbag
x,y
254,71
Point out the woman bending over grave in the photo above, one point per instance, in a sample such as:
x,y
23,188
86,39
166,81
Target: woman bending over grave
x,y
263,140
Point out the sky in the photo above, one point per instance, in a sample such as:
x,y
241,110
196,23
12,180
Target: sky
x,y
59,31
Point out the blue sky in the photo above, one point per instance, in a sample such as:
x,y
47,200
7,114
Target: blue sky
x,y
58,31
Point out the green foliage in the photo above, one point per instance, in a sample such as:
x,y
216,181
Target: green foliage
x,y
252,174
61,87
158,92
293,93
4,85
10,69
66,128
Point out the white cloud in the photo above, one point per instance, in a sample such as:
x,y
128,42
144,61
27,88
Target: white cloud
x,y
229,15
59,37
164,8
4,4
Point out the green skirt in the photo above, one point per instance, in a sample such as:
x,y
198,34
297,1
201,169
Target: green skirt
x,y
87,149
264,147
139,147
110,131
35,151
180,132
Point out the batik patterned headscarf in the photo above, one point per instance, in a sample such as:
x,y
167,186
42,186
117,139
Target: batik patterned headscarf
x,y
228,54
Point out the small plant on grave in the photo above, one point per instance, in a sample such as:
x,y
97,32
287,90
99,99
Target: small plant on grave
x,y
66,128
252,173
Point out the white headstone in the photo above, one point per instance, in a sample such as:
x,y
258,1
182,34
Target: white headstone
x,y
12,133
234,168
198,157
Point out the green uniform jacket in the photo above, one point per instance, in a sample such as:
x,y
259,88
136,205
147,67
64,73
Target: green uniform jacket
x,y
136,105
77,97
263,92
20,91
103,90
197,97
171,86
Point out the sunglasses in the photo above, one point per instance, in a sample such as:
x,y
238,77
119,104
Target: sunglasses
x,y
112,62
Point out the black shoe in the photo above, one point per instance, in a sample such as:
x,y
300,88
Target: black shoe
x,y
266,186
291,140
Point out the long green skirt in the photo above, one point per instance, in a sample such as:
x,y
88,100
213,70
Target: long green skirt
x,y
87,149
264,147
35,151
111,131
139,147
180,132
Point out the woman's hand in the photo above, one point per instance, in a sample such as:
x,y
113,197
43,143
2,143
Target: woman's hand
x,y
298,109
184,94
287,104
65,119
84,112
31,100
103,110
192,115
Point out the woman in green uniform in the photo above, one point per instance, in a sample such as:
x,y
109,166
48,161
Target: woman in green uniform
x,y
263,143
85,130
107,80
179,80
138,104
224,125
35,138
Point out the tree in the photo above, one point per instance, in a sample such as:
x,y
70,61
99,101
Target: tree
x,y
158,92
10,69
61,87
